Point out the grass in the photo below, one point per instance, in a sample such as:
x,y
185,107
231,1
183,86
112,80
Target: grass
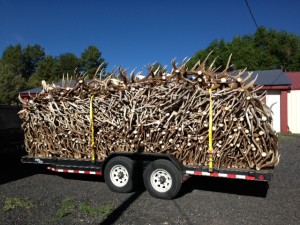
x,y
68,206
102,211
14,202
287,136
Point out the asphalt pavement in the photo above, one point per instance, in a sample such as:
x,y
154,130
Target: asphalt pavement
x,y
30,194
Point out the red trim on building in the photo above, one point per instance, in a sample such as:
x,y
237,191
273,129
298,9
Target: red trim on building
x,y
283,104
284,112
295,78
278,87
27,97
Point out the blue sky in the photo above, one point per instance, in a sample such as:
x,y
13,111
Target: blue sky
x,y
137,33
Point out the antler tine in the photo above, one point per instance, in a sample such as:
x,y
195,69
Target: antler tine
x,y
114,70
75,72
99,67
241,72
132,72
108,77
256,88
63,81
123,75
30,95
85,75
68,81
21,100
174,64
184,62
119,69
173,60
212,64
139,73
226,68
156,71
229,59
101,73
246,78
122,72
197,64
132,75
204,62
250,84
216,69
150,70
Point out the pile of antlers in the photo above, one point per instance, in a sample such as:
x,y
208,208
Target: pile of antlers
x,y
161,113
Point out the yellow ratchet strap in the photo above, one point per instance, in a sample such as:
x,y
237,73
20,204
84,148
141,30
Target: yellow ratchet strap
x,y
92,132
210,138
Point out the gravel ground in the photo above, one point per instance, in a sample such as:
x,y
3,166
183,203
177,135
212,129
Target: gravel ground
x,y
32,195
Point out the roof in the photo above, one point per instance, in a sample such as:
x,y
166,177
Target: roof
x,y
265,77
32,91
270,77
39,89
295,78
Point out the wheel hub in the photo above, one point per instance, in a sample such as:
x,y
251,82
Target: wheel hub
x,y
161,180
119,175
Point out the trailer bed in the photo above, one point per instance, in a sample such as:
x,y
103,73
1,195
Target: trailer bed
x,y
87,166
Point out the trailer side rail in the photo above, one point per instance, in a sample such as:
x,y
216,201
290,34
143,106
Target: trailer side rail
x,y
64,165
263,175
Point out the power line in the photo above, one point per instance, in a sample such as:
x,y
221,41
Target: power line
x,y
246,1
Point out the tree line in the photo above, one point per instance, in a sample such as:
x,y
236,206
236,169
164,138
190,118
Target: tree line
x,y
23,68
266,49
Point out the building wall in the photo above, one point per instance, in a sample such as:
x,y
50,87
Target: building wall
x,y
273,101
294,111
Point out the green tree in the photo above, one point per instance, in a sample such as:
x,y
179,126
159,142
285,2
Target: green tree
x,y
91,60
32,55
66,63
266,49
279,48
12,57
52,69
45,71
10,84
219,49
23,61
245,55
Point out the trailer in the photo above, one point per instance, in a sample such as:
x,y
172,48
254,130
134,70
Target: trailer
x,y
163,129
162,174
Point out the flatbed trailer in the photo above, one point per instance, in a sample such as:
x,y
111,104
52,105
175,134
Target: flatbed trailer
x,y
163,175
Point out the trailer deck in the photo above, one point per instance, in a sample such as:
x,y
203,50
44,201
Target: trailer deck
x,y
87,166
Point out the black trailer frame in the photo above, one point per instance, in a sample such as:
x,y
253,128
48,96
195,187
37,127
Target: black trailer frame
x,y
87,166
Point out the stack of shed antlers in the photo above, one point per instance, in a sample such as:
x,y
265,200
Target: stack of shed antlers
x,y
161,113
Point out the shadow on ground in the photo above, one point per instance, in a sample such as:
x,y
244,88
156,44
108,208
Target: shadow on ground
x,y
114,215
223,185
11,168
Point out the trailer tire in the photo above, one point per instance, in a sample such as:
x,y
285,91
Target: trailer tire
x,y
119,174
162,179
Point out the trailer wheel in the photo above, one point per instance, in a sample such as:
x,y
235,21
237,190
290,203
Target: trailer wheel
x,y
118,174
162,179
